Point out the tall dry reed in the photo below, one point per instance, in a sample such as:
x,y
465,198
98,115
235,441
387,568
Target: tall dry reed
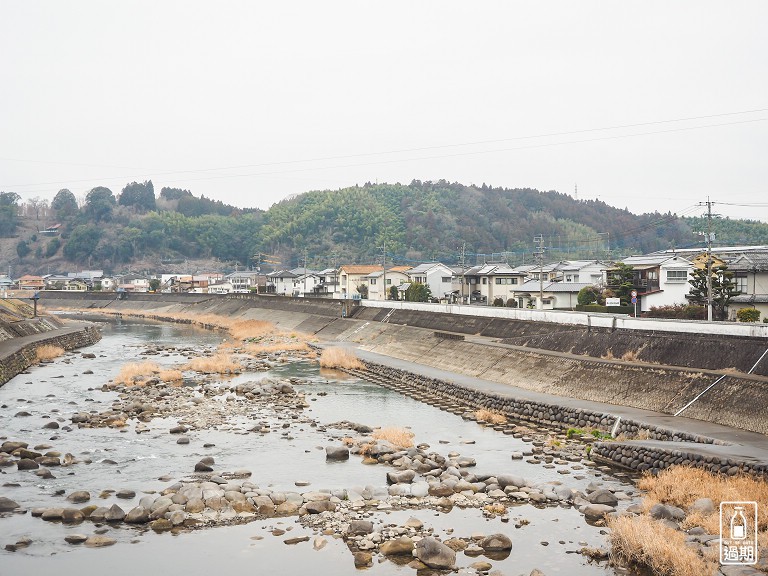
x,y
340,358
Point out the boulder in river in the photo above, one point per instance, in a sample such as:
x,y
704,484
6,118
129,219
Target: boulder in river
x,y
435,554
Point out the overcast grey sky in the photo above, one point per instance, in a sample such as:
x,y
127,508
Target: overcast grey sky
x,y
249,102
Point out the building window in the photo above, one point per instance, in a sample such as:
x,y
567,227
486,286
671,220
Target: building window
x,y
569,278
445,279
677,276
507,281
373,282
485,280
389,281
741,283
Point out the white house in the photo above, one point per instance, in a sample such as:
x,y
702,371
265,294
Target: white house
x,y
659,279
437,276
221,288
380,284
242,282
282,281
490,281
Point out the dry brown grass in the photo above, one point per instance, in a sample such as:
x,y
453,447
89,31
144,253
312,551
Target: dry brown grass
x,y
398,437
135,373
247,329
681,486
490,416
170,375
641,540
630,356
340,358
216,364
48,352
271,347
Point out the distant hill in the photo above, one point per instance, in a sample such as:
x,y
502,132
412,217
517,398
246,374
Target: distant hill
x,y
420,221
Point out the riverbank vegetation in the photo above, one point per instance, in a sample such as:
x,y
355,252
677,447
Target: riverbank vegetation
x,y
645,541
336,357
48,352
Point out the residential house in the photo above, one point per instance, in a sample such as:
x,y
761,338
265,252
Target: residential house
x,y
30,282
380,283
588,272
489,281
437,276
52,230
243,282
281,282
552,295
351,276
659,279
328,287
751,277
305,283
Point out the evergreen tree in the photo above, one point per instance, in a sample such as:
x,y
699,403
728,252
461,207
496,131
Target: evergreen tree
x,y
723,289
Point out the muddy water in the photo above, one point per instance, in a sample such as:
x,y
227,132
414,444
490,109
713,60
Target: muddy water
x,y
126,460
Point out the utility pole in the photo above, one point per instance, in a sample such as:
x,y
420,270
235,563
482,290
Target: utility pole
x,y
384,268
709,260
463,267
539,253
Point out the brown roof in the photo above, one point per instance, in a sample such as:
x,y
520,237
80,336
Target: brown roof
x,y
355,269
400,268
29,278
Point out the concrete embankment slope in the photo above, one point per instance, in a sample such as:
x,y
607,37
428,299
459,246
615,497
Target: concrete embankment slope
x,y
660,373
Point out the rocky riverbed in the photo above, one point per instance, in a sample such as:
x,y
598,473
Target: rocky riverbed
x,y
295,452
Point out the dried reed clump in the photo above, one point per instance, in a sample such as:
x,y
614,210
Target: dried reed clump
x,y
490,416
48,352
643,541
270,347
340,358
216,364
170,375
136,373
682,486
630,356
247,329
398,437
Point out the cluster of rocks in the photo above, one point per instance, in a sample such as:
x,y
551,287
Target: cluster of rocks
x,y
197,405
40,459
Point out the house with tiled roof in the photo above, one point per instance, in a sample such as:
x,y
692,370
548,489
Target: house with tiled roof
x,y
353,275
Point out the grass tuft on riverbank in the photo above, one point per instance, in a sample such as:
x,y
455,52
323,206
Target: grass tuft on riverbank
x,y
216,364
335,357
490,416
398,437
644,541
48,352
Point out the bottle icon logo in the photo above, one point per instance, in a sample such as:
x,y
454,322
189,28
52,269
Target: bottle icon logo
x,y
738,524
738,533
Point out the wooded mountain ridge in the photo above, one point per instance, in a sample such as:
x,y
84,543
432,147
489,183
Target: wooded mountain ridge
x,y
421,221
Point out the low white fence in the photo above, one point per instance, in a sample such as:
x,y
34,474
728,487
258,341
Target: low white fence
x,y
754,330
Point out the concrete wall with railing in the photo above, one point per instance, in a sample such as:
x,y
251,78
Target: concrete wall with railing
x,y
610,321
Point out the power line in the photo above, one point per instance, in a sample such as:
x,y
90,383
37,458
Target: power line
x,y
433,157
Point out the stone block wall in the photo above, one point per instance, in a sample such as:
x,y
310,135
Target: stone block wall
x,y
21,359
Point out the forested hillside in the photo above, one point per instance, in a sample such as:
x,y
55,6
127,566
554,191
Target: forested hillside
x,y
417,222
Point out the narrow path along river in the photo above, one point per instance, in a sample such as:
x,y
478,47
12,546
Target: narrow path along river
x,y
143,457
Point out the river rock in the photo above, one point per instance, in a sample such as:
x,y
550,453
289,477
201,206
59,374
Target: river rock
x,y
6,504
125,494
202,467
99,541
161,525
496,543
137,515
703,506
75,538
297,540
434,554
336,453
358,527
27,464
597,511
52,514
114,514
72,516
401,476
397,547
195,505
603,496
505,480
320,506
363,559
79,496
664,512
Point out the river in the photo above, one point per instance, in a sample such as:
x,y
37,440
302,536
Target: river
x,y
123,459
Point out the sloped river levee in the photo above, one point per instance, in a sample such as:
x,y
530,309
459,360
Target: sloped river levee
x,y
284,452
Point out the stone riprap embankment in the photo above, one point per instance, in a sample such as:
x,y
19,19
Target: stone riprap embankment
x,y
18,354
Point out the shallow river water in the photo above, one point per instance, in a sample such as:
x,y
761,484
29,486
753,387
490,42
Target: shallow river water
x,y
61,388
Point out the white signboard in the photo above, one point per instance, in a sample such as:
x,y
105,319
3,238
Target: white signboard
x,y
613,302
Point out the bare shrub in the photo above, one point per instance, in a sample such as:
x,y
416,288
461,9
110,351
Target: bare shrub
x,y
398,437
270,347
608,355
340,358
490,416
641,540
48,352
216,364
170,375
630,356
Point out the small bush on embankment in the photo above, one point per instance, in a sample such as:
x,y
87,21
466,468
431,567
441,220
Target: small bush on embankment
x,y
340,358
48,352
490,416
